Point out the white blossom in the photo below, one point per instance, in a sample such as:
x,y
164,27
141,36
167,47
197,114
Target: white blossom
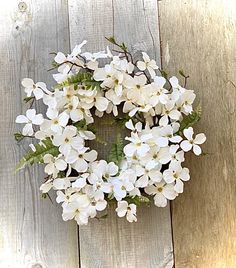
x,y
191,142
128,210
30,119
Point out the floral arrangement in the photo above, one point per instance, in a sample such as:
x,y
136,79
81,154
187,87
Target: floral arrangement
x,y
143,167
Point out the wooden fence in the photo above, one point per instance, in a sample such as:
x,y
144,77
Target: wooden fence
x,y
197,36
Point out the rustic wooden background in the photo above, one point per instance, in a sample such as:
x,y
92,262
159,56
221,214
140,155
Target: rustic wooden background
x,y
197,36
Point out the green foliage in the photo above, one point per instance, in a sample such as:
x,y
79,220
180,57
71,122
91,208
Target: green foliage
x,y
164,74
27,99
191,119
31,157
80,124
118,121
83,79
19,136
122,46
137,200
116,154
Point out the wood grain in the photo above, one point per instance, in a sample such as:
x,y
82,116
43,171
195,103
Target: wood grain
x,y
32,233
198,36
114,242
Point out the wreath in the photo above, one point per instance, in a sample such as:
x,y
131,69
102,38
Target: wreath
x,y
144,167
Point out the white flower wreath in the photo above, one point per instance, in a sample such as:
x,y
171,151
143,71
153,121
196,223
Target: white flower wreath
x,y
157,111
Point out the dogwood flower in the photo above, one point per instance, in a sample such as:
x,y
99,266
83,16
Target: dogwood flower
x,y
162,192
191,142
37,89
30,119
148,64
128,210
58,121
176,174
138,144
54,164
77,209
79,158
68,140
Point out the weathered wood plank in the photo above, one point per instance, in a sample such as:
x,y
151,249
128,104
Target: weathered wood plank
x,y
114,242
199,37
32,233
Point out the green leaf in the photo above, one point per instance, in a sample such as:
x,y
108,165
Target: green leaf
x,y
31,157
116,154
80,124
19,136
164,74
137,200
27,99
190,119
82,79
111,40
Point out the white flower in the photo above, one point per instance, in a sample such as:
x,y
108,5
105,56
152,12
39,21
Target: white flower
x,y
30,119
159,93
176,156
147,64
169,111
186,100
176,174
65,196
147,172
126,209
92,58
138,144
68,140
162,136
105,170
80,181
162,192
61,183
58,121
46,187
191,142
123,183
136,128
79,158
77,209
37,89
54,164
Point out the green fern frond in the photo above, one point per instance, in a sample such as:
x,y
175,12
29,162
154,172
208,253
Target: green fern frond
x,y
31,157
116,154
190,119
83,79
137,200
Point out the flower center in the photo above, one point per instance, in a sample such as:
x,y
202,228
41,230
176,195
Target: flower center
x,y
159,189
106,176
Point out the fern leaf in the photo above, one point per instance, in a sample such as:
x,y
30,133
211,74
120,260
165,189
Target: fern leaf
x,y
116,154
137,200
190,119
31,157
83,79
